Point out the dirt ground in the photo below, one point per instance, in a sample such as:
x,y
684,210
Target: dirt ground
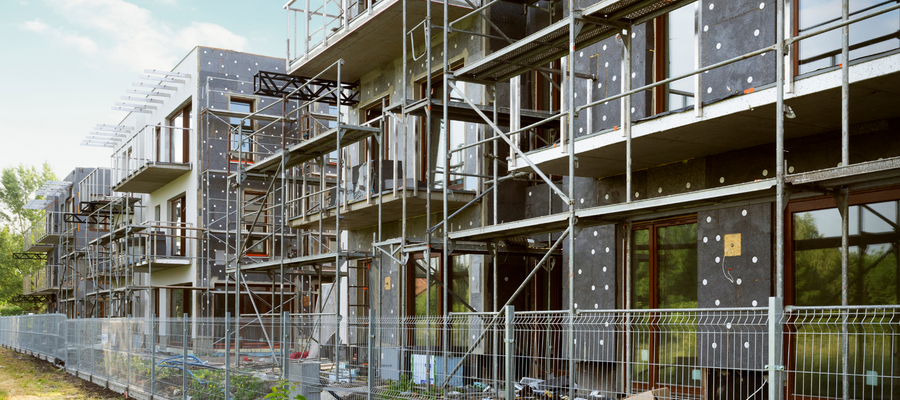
x,y
24,377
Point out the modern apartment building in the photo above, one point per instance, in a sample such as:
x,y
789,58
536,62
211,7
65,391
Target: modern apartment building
x,y
671,194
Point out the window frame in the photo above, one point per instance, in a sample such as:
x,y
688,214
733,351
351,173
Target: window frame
x,y
248,155
178,235
186,113
654,343
661,59
262,222
877,195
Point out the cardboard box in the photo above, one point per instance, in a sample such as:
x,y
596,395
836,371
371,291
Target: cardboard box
x,y
655,394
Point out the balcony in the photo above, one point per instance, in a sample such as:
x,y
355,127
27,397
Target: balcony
x,y
737,122
46,233
151,246
155,156
41,282
325,31
360,198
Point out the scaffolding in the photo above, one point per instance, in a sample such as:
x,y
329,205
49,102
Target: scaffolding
x,y
559,41
287,206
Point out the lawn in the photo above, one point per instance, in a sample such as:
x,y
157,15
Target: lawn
x,y
24,377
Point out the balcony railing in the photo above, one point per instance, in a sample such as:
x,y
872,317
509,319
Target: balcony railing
x,y
94,187
45,232
150,159
42,281
153,246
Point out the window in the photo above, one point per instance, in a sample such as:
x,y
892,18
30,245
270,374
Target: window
x,y
664,265
370,114
179,303
256,202
177,137
178,218
240,138
872,36
815,246
675,55
813,278
546,97
418,304
664,275
435,175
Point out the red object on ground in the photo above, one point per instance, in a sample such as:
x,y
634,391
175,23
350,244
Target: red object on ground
x,y
298,355
246,358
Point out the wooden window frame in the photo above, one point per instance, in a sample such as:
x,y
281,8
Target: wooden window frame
x,y
263,221
820,203
185,113
178,234
248,158
653,271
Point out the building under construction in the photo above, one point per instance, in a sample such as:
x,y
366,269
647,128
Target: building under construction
x,y
494,200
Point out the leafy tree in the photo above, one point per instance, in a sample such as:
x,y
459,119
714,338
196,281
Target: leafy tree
x,y
17,186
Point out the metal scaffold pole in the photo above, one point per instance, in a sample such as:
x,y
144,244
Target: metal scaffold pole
x,y
445,245
570,102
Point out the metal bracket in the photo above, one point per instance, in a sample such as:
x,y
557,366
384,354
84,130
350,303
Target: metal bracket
x,y
774,367
841,197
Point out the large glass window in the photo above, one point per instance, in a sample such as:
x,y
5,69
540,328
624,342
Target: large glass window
x,y
872,36
664,275
676,55
664,265
240,138
815,340
872,269
257,202
174,145
428,298
178,219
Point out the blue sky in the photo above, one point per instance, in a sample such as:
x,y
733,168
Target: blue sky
x,y
66,62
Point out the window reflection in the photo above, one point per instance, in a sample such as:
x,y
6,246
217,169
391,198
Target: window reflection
x,y
872,255
680,56
872,36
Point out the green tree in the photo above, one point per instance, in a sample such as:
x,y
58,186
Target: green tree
x,y
17,187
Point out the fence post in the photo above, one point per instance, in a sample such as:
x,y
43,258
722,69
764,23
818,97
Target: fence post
x,y
285,340
370,373
510,337
152,354
227,356
128,353
775,363
93,337
184,356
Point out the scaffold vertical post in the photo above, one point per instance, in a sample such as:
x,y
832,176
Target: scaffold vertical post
x,y
184,356
227,355
153,332
370,373
509,348
285,342
775,362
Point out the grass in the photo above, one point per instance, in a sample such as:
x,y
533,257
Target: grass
x,y
24,377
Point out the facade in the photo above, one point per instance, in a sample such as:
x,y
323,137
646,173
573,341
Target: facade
x,y
669,194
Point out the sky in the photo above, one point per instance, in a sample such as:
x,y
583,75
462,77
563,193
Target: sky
x,y
66,62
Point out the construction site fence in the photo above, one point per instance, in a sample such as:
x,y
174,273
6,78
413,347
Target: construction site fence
x,y
819,352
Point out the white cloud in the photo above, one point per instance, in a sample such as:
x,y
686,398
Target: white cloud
x,y
207,34
130,35
34,26
67,38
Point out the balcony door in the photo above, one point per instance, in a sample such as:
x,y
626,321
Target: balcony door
x,y
177,219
